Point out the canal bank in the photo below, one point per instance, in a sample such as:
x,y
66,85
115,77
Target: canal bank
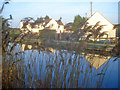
x,y
71,45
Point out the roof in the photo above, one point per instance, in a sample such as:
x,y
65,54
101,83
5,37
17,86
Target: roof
x,y
39,20
68,26
59,22
85,22
47,20
101,15
30,22
117,24
24,25
82,23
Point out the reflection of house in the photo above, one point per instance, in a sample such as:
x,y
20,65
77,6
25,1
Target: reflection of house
x,y
108,28
51,24
29,47
96,61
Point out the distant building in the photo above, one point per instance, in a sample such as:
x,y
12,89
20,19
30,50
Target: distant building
x,y
50,24
108,28
68,28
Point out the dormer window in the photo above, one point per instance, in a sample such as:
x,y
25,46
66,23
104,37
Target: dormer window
x,y
51,25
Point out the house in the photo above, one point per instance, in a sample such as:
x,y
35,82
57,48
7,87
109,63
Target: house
x,y
108,26
68,28
50,24
68,31
53,24
25,27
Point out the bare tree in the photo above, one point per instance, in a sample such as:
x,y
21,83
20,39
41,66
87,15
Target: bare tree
x,y
3,6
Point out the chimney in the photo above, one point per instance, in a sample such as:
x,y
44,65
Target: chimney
x,y
60,18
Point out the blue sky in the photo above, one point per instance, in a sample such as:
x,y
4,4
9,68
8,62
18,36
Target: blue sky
x,y
67,10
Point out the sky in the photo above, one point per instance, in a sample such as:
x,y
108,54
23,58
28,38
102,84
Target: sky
x,y
67,9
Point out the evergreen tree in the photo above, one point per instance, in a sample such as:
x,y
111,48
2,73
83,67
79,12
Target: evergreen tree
x,y
46,17
77,20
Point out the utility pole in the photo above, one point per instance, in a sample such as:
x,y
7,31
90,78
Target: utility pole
x,y
85,16
91,7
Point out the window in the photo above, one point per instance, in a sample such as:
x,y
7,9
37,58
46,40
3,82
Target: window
x,y
59,26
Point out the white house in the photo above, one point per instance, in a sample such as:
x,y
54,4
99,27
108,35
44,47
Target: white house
x,y
51,24
108,28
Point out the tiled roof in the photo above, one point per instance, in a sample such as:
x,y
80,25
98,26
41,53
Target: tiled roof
x,y
69,26
47,20
59,22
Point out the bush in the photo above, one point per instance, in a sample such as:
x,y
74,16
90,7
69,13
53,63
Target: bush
x,y
47,34
14,31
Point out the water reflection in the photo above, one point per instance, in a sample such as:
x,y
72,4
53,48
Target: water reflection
x,y
61,68
29,47
96,60
23,47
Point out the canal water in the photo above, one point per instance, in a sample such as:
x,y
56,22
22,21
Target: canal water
x,y
54,68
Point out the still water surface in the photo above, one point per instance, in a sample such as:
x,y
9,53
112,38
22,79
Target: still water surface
x,y
63,68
